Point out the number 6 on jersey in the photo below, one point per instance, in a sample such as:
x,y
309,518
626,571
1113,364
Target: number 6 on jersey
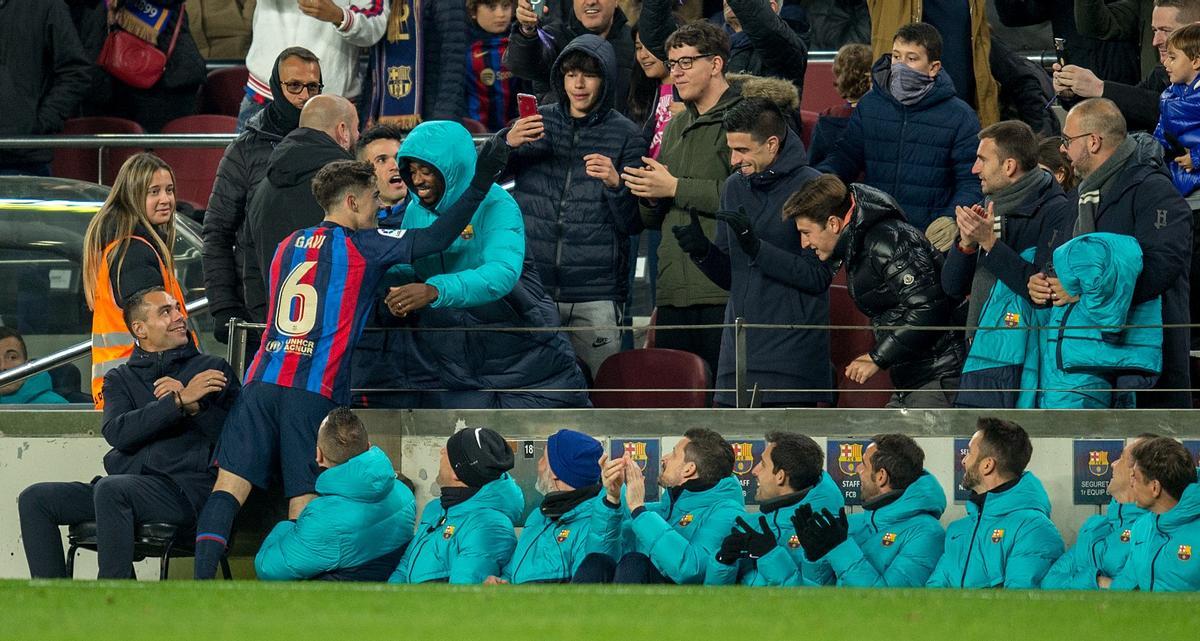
x,y
296,310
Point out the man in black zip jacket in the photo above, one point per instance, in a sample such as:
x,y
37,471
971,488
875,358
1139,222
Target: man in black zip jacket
x,y
163,411
43,76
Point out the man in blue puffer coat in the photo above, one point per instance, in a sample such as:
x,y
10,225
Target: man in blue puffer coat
x,y
791,479
485,279
1105,541
466,535
897,540
1006,539
1164,484
910,136
575,518
357,527
567,162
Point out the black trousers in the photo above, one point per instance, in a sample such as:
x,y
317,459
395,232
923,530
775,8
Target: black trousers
x,y
115,503
705,343
634,567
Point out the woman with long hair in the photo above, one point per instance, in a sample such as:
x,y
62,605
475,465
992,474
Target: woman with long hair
x,y
651,95
128,247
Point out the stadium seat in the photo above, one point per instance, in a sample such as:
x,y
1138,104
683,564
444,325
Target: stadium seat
x,y
808,124
819,92
223,91
162,540
474,126
84,164
651,368
846,345
196,168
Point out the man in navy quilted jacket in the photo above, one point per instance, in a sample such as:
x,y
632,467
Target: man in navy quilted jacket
x,y
911,137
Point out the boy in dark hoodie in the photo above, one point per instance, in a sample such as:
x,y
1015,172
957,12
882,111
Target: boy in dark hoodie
x,y
579,213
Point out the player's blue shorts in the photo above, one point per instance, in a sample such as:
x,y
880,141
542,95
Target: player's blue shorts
x,y
273,427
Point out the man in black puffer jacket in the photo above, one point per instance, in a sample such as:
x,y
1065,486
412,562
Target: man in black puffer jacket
x,y
893,275
242,167
579,215
163,411
284,202
536,42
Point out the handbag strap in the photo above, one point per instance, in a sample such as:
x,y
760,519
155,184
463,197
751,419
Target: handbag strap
x,y
178,25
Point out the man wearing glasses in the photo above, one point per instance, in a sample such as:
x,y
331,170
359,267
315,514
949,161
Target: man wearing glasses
x,y
683,187
1126,190
296,78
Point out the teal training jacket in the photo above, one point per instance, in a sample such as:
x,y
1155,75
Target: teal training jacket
x,y
1102,547
551,550
786,564
1164,549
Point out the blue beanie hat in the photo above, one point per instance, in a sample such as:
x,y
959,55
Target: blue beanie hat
x,y
574,458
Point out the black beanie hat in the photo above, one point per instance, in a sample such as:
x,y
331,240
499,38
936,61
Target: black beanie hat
x,y
478,456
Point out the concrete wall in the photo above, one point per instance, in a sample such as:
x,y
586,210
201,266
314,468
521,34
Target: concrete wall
x,y
47,446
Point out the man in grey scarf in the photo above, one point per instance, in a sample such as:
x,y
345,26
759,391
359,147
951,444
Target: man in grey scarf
x,y
1126,190
1023,207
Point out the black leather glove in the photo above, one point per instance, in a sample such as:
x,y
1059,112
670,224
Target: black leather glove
x,y
492,159
691,238
221,323
758,544
739,224
732,548
822,532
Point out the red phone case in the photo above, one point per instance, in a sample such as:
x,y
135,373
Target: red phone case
x,y
526,105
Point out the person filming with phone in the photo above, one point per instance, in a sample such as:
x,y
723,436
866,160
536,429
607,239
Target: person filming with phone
x,y
579,213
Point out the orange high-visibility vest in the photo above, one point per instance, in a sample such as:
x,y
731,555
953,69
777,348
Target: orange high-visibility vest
x,y
111,341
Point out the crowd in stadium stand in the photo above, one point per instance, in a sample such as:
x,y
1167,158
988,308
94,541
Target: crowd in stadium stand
x,y
946,187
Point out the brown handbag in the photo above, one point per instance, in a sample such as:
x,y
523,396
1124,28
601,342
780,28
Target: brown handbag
x,y
134,61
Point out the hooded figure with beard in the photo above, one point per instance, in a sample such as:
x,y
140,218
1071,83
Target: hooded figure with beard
x,y
242,167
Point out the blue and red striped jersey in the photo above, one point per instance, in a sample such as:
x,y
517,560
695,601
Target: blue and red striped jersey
x,y
491,88
323,288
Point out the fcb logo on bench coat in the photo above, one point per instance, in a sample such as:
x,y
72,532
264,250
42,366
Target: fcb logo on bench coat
x,y
1098,462
686,520
448,532
1184,553
794,542
997,535
562,535
888,539
1126,535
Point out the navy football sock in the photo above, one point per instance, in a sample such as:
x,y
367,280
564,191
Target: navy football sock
x,y
212,532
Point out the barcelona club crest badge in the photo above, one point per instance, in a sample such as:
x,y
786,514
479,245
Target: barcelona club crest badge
x,y
888,539
997,536
468,233
1012,319
562,535
1126,535
849,458
794,542
636,450
686,520
743,458
1185,552
448,532
1098,462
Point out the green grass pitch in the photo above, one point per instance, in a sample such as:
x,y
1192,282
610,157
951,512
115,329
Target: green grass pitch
x,y
95,611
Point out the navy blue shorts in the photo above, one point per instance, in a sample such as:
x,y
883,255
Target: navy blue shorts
x,y
273,427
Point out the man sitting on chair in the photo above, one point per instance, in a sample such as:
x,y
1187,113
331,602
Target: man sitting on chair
x,y
163,412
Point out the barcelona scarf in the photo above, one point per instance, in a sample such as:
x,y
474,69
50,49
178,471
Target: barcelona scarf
x,y
397,68
143,19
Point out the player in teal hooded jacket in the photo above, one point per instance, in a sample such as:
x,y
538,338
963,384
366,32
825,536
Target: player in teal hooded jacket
x,y
1105,540
1007,538
791,477
358,525
1167,539
680,534
897,540
467,534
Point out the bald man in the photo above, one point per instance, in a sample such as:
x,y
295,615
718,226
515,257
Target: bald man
x,y
284,202
1126,190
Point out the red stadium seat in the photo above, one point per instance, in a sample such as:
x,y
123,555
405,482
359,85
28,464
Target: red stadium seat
x,y
474,126
196,168
808,123
846,345
84,164
819,92
651,368
223,91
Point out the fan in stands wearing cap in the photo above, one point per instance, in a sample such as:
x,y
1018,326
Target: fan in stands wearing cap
x,y
467,534
576,518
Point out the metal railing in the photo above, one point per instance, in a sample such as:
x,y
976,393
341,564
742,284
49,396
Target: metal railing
x,y
70,354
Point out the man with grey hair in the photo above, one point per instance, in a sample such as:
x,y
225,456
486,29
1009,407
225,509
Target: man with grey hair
x,y
1126,190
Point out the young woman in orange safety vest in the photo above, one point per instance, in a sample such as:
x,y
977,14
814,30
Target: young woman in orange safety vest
x,y
128,247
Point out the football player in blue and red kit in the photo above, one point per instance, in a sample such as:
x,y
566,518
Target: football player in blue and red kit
x,y
322,290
